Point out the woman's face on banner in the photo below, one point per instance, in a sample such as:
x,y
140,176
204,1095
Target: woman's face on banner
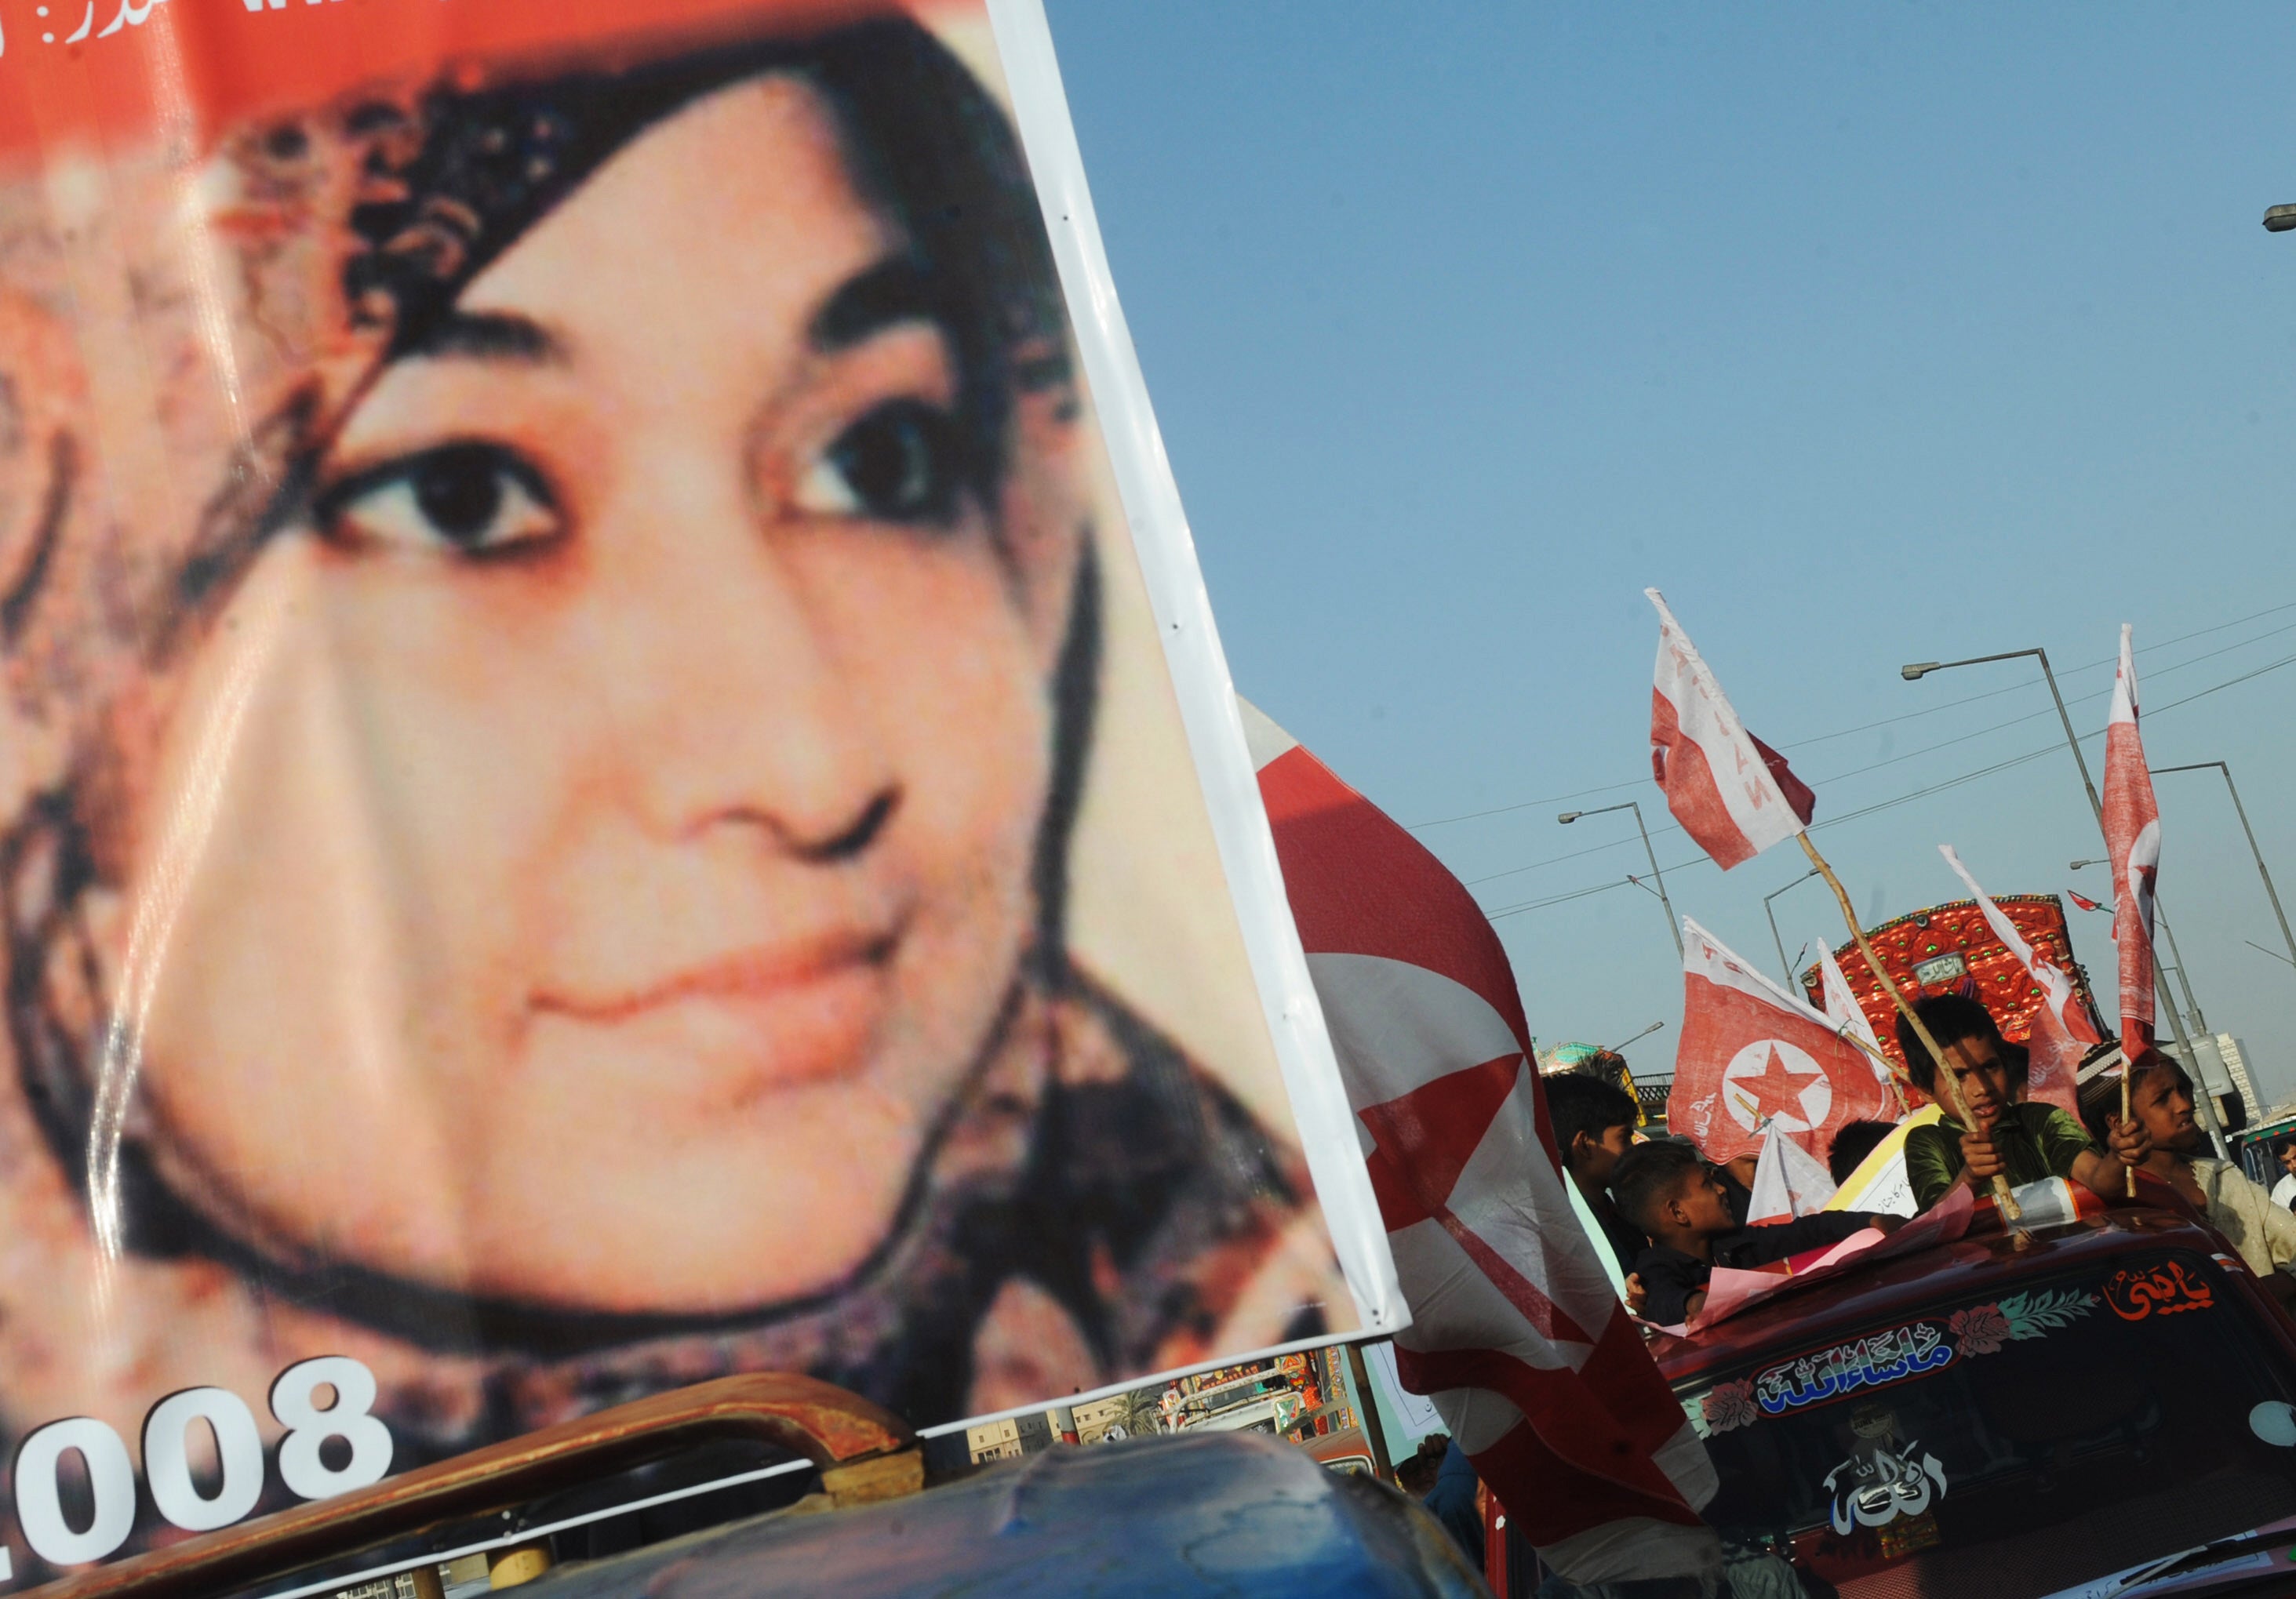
x,y
589,855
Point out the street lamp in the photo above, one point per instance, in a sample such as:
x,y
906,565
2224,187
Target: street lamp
x,y
2279,219
1639,1037
2238,809
1569,816
1915,671
1781,943
1920,669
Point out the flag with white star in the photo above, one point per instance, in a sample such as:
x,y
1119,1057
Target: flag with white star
x,y
1753,1055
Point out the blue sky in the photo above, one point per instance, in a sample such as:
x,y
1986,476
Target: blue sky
x,y
1869,333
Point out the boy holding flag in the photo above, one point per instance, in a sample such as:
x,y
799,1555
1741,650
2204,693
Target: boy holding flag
x,y
1734,796
1997,1137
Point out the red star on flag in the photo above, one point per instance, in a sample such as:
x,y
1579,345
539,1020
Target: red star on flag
x,y
1776,1090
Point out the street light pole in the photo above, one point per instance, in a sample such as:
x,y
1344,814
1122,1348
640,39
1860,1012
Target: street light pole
x,y
1914,673
1784,964
1569,816
2184,978
2240,811
1619,1047
2192,1003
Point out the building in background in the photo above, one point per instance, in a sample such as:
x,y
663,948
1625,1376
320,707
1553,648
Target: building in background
x,y
1010,1439
1650,1096
2235,1065
1118,1416
1298,1398
2222,1069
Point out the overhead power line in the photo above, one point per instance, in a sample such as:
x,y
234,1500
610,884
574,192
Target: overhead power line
x,y
1664,828
1891,803
2047,711
1613,788
1880,805
2087,666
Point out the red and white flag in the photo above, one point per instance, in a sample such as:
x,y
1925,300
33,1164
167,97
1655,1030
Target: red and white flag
x,y
1753,1055
2132,839
1731,791
2062,1031
2085,902
1516,1333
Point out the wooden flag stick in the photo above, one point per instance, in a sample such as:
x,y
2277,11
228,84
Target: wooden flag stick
x,y
1896,1087
1889,1066
2130,1171
2010,1212
1890,1069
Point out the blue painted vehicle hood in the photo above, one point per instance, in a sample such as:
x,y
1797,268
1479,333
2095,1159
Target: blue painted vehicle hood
x,y
1228,1514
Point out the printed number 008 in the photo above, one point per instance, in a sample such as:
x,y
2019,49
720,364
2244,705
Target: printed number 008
x,y
167,1463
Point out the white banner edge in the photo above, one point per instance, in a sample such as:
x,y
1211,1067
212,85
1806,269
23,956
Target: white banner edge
x,y
1206,692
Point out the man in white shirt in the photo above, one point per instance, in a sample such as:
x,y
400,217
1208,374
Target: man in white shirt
x,y
2283,1191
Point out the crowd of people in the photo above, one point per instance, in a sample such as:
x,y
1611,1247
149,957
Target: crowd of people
x,y
1670,1216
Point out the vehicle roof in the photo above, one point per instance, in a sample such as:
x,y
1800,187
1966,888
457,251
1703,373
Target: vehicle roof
x,y
1970,1269
1217,1515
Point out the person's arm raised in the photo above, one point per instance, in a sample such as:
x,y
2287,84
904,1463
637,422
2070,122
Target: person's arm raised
x,y
2106,1175
1980,1161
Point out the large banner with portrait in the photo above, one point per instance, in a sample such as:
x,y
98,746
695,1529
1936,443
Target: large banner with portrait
x,y
615,768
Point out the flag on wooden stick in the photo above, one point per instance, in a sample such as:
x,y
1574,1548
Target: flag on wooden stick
x,y
1849,1020
2132,839
1788,1182
1731,793
1842,1009
1516,1333
1753,1055
2061,1032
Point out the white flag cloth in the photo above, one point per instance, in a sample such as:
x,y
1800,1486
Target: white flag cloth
x,y
2132,839
1788,1181
2062,1030
1842,1009
1730,791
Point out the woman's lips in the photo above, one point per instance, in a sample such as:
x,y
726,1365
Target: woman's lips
x,y
794,1012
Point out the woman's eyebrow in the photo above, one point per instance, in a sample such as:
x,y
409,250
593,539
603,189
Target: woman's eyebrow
x,y
895,291
485,336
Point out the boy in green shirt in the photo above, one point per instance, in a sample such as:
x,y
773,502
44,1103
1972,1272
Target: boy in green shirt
x,y
2024,1143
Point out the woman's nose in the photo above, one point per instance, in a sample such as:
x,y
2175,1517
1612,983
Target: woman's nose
x,y
745,715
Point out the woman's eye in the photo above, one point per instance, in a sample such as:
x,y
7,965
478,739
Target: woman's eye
x,y
475,498
897,463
